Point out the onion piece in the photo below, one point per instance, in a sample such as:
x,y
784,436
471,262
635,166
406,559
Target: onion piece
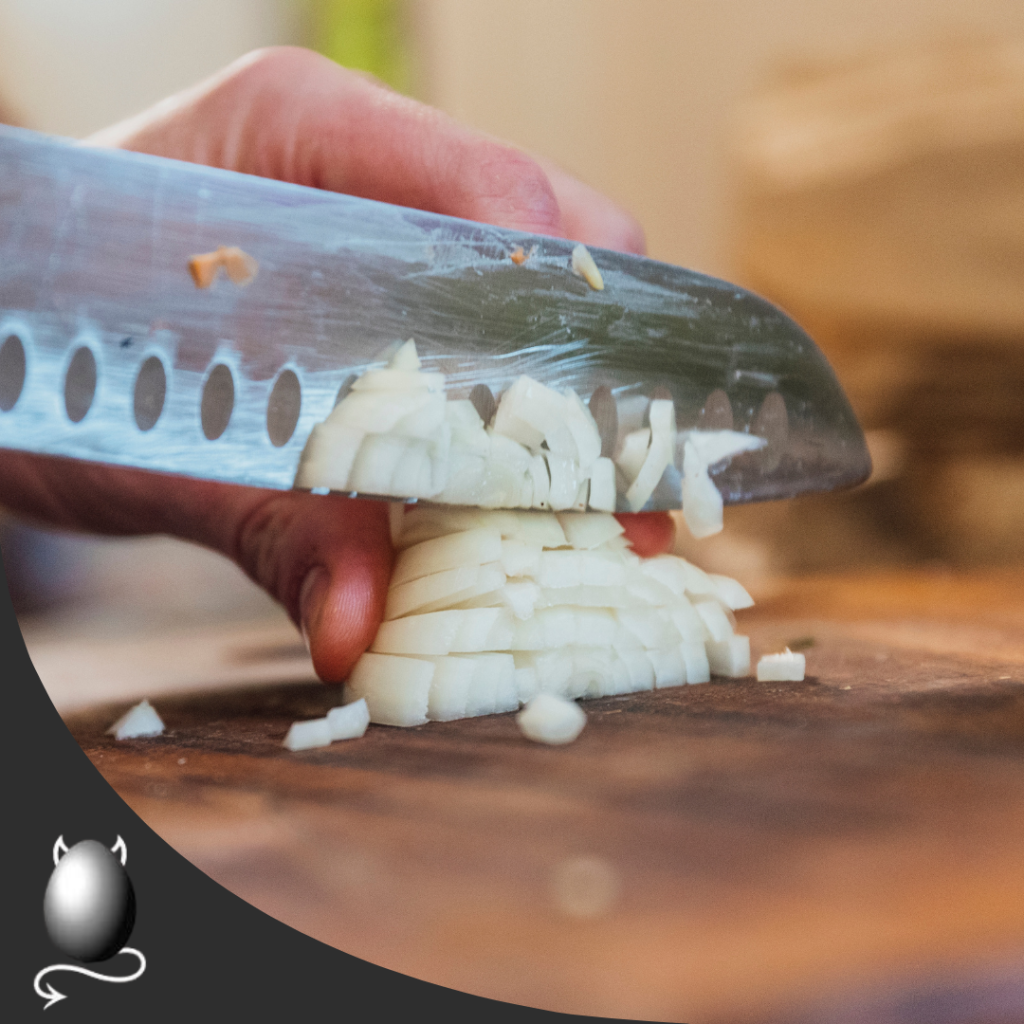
x,y
659,454
137,722
714,446
405,357
731,593
550,719
702,503
633,453
456,631
584,266
472,547
787,667
442,590
729,657
328,456
714,618
603,495
396,690
316,732
589,531
350,721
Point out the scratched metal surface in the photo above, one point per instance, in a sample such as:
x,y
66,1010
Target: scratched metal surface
x,y
94,247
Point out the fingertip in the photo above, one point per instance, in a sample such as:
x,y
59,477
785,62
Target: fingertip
x,y
508,188
345,622
649,533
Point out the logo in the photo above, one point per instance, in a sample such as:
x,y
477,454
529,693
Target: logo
x,y
89,910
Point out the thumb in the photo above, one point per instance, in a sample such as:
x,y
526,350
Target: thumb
x,y
328,560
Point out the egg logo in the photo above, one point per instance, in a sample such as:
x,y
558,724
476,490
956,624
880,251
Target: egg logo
x,y
89,910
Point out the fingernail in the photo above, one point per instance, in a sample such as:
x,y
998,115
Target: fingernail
x,y
311,600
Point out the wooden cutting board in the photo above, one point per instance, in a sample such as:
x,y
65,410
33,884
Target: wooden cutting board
x,y
726,852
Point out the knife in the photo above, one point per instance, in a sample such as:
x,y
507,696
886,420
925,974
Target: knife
x,y
110,353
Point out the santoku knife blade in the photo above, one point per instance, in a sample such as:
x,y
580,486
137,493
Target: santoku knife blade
x,y
109,352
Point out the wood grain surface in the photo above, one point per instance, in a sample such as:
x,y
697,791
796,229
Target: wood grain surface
x,y
726,852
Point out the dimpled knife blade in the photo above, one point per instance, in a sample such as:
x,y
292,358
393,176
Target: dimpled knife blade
x,y
110,353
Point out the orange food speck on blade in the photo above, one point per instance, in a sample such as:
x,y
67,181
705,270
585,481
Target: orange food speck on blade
x,y
204,267
518,256
240,266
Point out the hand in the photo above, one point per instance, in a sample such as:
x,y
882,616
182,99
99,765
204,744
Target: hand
x,y
290,114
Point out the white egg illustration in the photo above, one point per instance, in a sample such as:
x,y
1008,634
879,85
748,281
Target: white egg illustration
x,y
89,906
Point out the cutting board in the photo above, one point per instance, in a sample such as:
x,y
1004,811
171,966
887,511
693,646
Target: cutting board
x,y
722,852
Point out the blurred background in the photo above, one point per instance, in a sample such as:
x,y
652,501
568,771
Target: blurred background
x,y
862,165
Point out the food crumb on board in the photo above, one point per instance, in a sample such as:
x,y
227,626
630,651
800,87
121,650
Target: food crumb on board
x,y
240,267
785,667
139,721
583,265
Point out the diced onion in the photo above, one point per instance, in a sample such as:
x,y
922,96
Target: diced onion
x,y
350,721
396,690
789,666
316,732
137,722
550,719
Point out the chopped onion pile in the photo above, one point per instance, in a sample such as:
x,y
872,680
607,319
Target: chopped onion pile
x,y
786,667
488,609
396,433
347,722
141,720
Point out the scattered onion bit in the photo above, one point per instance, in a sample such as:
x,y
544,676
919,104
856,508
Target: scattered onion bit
x,y
518,257
551,719
584,266
787,667
240,266
141,720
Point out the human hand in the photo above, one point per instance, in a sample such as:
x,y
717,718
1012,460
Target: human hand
x,y
290,114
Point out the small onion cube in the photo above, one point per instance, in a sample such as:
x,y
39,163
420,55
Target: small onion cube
x,y
669,667
715,620
702,503
659,455
137,722
787,667
396,690
308,735
714,446
633,453
328,456
581,424
550,719
473,547
590,531
729,657
602,486
731,593
695,657
349,721
565,479
442,589
450,687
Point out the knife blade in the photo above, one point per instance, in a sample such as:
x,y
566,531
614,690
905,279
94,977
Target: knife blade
x,y
110,353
